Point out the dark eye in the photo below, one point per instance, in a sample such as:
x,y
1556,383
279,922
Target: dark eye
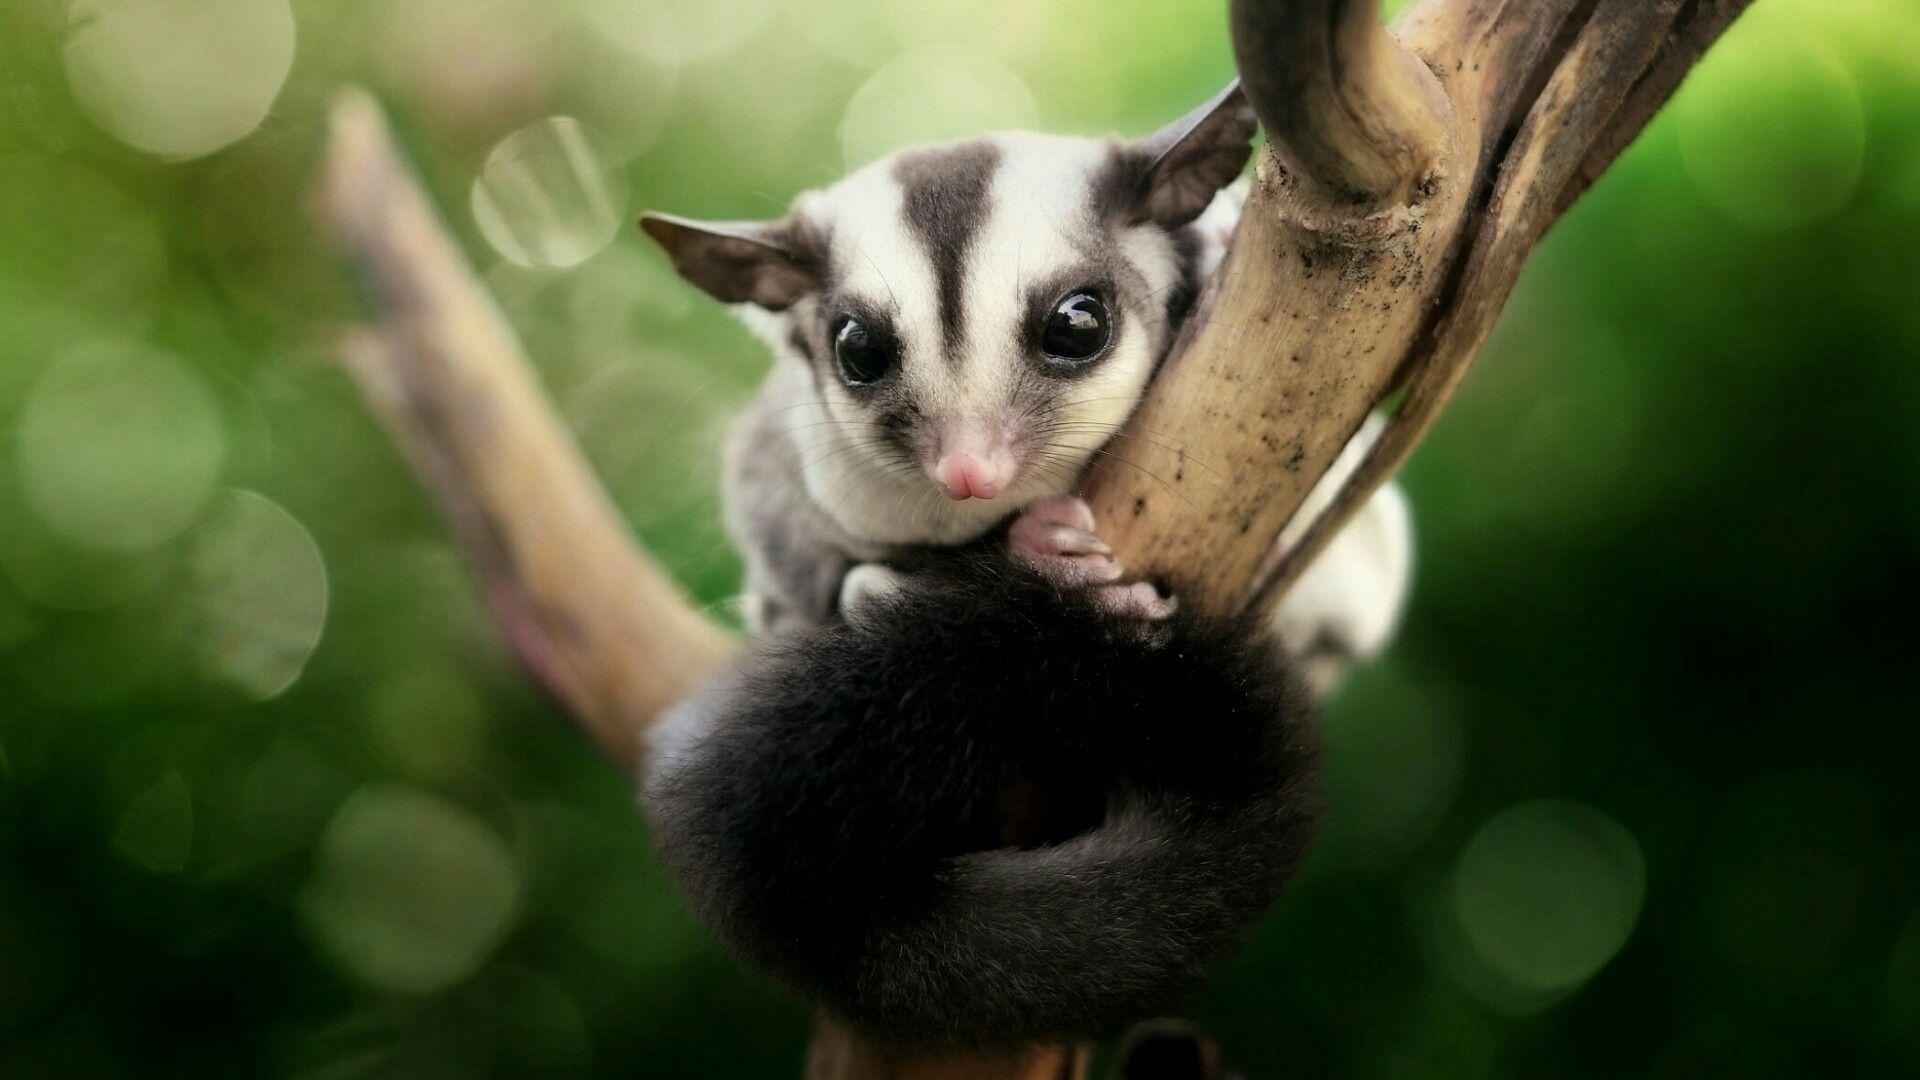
x,y
861,356
1078,328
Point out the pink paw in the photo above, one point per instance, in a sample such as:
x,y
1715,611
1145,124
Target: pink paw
x,y
1057,537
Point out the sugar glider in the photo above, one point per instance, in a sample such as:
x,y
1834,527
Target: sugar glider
x,y
957,331
971,786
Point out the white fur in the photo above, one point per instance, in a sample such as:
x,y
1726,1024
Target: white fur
x,y
1352,595
1038,196
1350,598
865,584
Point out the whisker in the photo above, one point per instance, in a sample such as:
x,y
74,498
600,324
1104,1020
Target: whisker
x,y
1185,457
1150,474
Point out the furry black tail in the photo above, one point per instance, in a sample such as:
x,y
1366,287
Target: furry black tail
x,y
990,809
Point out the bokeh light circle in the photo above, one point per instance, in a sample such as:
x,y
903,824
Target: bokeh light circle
x,y
80,258
548,197
626,104
677,31
118,446
470,65
1003,27
410,893
156,829
428,724
854,32
1547,892
931,95
178,78
1772,131
1394,758
257,595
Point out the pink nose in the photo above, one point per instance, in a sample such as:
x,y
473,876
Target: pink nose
x,y
964,476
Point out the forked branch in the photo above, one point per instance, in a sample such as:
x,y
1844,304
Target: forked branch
x,y
1620,63
589,614
1315,319
1347,108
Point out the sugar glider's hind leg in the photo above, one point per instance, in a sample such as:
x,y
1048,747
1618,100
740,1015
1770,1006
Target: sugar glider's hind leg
x,y
1346,606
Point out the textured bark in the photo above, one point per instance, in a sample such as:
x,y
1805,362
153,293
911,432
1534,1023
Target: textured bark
x,y
592,617
1325,309
1409,176
1588,82
1345,107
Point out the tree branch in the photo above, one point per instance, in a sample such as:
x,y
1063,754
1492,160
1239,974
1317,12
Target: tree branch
x,y
1627,54
1699,24
1346,108
1298,334
1313,321
590,615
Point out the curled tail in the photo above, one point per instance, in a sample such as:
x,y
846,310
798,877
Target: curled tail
x,y
990,811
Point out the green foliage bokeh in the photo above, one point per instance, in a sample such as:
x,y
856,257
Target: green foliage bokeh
x,y
1632,795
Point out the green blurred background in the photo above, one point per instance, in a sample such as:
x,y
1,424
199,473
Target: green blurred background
x,y
1634,795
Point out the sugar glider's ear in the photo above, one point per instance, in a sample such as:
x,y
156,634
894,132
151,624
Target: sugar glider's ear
x,y
1190,160
739,262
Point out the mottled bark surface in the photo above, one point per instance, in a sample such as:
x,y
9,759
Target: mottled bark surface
x,y
1326,308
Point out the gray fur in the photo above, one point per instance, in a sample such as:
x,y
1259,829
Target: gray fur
x,y
801,527
795,553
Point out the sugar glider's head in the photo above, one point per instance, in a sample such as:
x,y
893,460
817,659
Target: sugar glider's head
x,y
975,319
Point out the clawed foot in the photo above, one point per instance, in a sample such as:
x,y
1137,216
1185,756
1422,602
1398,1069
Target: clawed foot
x,y
1057,537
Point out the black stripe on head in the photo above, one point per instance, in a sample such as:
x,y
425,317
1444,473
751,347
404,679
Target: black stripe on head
x,y
944,203
1118,186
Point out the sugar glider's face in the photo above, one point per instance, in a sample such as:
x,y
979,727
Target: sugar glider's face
x,y
975,319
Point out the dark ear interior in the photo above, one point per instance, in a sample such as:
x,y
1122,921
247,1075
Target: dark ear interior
x,y
1191,159
737,262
